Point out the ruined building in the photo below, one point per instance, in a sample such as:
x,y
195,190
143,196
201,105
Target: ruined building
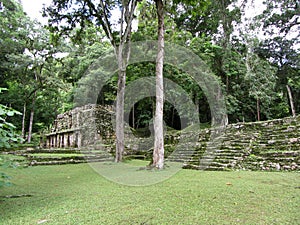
x,y
81,126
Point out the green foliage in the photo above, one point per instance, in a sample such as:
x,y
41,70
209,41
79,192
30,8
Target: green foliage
x,y
262,80
280,16
190,15
8,137
11,39
280,21
5,163
44,67
7,130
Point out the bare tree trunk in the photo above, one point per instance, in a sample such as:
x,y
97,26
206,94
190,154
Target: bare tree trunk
x,y
223,120
31,119
291,100
120,117
133,117
123,58
173,115
23,120
197,104
158,152
227,84
258,109
123,54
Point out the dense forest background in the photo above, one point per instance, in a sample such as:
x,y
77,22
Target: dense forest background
x,y
255,58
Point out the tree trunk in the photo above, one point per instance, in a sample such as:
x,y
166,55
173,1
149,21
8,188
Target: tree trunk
x,y
120,114
123,55
173,115
197,104
258,109
223,120
158,152
133,126
227,85
291,100
31,119
23,121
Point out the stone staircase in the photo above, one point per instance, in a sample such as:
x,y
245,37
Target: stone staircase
x,y
189,146
267,145
276,146
58,156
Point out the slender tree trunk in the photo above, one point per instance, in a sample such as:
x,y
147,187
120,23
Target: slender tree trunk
x,y
223,121
23,120
122,53
227,84
123,58
31,119
158,152
197,106
173,115
133,117
120,117
291,100
258,108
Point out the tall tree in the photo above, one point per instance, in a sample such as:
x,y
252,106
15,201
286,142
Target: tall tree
x,y
158,152
31,67
261,77
281,21
24,50
101,14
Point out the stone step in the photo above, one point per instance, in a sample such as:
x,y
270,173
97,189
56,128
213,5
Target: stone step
x,y
43,159
62,151
279,140
61,162
228,150
183,152
61,157
208,168
177,160
272,166
176,155
280,153
280,148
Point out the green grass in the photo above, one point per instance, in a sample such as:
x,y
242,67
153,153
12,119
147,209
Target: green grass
x,y
76,194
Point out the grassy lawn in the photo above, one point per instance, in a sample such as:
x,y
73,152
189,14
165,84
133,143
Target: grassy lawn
x,y
76,194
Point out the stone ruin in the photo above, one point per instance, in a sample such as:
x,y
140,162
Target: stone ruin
x,y
81,126
266,145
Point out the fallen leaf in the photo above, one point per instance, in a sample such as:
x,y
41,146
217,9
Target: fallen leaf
x,y
42,221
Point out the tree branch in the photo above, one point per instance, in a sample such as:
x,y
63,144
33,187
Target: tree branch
x,y
129,12
105,23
